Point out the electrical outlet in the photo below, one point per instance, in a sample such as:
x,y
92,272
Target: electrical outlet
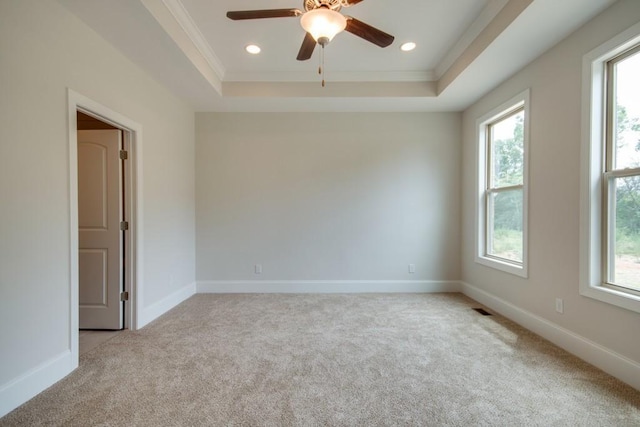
x,y
258,268
559,305
412,268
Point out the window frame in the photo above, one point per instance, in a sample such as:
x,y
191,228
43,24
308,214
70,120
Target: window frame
x,y
611,173
597,173
516,104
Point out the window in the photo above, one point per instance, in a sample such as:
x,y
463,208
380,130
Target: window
x,y
502,187
610,220
622,172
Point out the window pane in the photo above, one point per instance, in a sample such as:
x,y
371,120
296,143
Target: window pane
x,y
627,113
626,271
504,228
507,151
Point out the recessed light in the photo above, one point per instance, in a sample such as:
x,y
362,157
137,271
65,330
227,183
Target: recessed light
x,y
253,49
407,47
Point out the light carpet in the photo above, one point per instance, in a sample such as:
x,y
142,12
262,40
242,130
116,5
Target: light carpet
x,y
331,360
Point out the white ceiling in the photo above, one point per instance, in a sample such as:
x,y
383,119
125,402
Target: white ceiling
x,y
465,48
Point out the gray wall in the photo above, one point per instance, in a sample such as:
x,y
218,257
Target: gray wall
x,y
327,196
555,80
43,51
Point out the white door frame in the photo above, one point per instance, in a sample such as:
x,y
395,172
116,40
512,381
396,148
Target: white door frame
x,y
132,136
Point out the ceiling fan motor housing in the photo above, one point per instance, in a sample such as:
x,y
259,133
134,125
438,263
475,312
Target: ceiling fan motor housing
x,y
330,4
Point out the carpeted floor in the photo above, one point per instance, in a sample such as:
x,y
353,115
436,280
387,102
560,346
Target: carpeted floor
x,y
331,360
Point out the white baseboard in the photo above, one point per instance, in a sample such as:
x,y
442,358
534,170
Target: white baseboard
x,y
325,286
614,364
28,385
157,309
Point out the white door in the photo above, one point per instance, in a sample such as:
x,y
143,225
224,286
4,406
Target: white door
x,y
100,237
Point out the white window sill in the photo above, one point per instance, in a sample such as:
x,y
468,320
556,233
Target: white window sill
x,y
612,296
503,265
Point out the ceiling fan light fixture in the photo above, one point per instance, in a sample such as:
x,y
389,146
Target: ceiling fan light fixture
x,y
323,24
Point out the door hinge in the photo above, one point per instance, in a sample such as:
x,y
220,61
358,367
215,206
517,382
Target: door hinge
x,y
124,155
124,225
124,296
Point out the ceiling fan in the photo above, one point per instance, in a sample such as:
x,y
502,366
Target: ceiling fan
x,y
322,20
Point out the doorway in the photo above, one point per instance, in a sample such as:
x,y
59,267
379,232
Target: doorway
x,y
83,114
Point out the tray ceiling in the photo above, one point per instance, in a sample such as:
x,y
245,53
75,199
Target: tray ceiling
x,y
464,48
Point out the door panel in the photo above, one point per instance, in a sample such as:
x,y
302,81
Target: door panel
x,y
92,188
93,278
100,238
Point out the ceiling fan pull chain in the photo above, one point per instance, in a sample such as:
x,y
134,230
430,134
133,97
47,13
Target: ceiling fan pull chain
x,y
322,66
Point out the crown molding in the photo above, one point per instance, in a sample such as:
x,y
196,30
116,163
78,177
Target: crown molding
x,y
178,24
489,12
336,76
500,22
181,15
333,89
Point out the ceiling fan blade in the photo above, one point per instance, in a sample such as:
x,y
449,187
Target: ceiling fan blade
x,y
259,14
368,32
306,50
352,2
